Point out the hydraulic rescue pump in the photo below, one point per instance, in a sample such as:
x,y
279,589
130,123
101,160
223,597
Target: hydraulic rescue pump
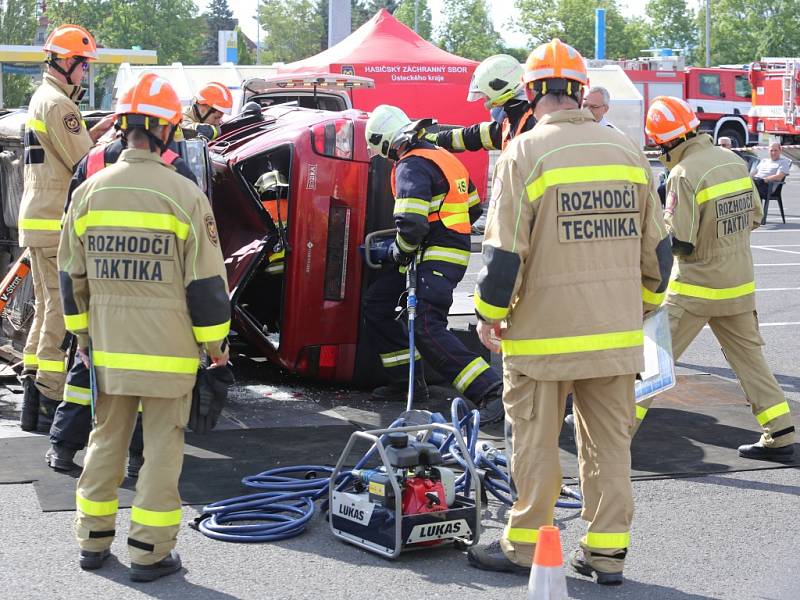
x,y
410,501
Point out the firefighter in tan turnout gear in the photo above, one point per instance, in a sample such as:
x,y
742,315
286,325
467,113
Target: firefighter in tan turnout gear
x,y
56,138
203,117
143,286
711,207
575,251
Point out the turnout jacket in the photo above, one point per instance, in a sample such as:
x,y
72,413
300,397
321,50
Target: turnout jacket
x,y
142,276
488,135
435,204
55,140
575,248
711,207
190,127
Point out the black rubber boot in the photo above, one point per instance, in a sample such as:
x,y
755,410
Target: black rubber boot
x,y
580,565
760,452
60,458
90,561
491,558
47,411
166,566
30,404
135,462
491,407
398,392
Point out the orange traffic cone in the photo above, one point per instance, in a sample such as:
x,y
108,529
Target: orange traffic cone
x,y
547,581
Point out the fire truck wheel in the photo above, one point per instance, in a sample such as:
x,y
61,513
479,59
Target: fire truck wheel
x,y
736,135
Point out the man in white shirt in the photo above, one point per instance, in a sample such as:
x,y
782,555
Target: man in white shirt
x,y
769,170
598,101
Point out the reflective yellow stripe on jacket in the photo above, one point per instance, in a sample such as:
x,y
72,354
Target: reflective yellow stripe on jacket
x,y
40,224
489,311
595,173
52,366
131,219
579,343
652,297
76,322
146,362
445,254
707,293
36,125
723,189
212,333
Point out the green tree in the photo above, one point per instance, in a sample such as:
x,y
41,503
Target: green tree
x,y
573,21
405,14
294,29
363,10
467,29
672,24
219,17
17,26
245,54
171,27
746,30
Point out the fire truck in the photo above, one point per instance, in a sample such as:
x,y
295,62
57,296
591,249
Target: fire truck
x,y
720,96
775,111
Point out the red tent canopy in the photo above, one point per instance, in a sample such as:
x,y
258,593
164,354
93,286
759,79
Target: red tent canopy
x,y
409,72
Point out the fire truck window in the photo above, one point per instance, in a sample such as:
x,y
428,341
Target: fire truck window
x,y
709,85
743,89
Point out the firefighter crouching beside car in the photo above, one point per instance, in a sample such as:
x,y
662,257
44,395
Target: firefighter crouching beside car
x,y
498,82
711,207
143,285
204,115
55,140
435,204
575,249
72,421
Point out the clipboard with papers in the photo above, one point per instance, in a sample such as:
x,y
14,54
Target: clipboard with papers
x,y
659,368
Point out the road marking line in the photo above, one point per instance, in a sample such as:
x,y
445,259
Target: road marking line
x,y
776,249
768,324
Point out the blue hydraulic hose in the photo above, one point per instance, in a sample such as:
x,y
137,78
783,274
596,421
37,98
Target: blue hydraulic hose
x,y
286,502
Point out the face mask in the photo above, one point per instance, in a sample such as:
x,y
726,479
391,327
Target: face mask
x,y
498,114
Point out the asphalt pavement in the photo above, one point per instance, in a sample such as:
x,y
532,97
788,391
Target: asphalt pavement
x,y
723,537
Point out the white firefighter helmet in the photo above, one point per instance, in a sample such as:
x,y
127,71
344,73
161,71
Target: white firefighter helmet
x,y
272,183
496,80
384,128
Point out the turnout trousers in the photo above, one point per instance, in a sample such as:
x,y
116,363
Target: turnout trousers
x,y
43,347
156,510
467,372
604,415
742,346
72,422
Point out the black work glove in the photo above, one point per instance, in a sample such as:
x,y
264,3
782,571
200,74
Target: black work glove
x,y
209,398
398,256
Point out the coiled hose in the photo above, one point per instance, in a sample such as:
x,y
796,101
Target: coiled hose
x,y
287,503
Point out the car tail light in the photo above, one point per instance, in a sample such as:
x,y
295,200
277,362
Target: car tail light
x,y
333,138
318,361
336,255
